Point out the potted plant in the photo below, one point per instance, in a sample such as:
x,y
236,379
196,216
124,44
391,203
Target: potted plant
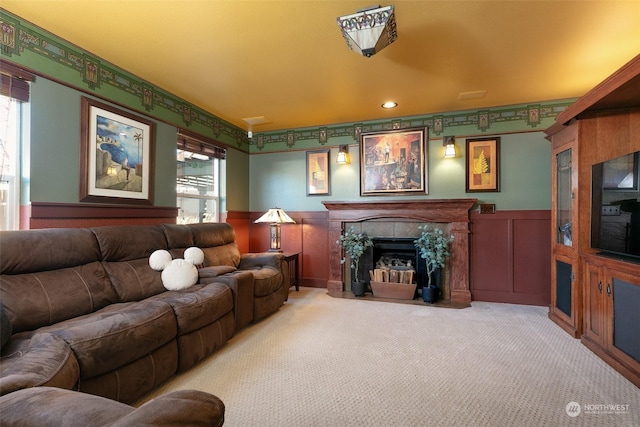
x,y
354,245
433,246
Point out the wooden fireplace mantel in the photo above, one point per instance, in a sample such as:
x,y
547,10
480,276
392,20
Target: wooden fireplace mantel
x,y
455,212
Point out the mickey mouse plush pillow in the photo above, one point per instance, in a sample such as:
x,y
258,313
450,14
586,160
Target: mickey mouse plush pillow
x,y
177,273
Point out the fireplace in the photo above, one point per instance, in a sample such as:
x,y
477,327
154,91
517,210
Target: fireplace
x,y
400,219
398,251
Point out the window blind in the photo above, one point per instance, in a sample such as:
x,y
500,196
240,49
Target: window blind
x,y
195,143
14,81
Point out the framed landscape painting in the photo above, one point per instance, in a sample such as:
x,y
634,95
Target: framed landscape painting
x,y
394,162
483,165
116,152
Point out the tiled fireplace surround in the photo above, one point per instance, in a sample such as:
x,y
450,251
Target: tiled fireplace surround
x,y
401,219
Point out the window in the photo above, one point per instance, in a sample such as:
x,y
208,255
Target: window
x,y
9,163
14,91
198,193
200,161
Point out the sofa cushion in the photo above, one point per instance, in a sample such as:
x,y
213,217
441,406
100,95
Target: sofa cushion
x,y
31,360
117,334
178,236
214,271
129,242
218,242
28,251
134,280
228,255
198,306
37,299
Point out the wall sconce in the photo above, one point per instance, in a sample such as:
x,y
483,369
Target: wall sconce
x,y
343,155
449,146
274,217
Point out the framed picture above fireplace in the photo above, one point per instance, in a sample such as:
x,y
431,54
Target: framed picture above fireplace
x,y
394,162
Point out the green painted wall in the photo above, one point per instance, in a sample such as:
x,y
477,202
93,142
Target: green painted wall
x,y
55,148
237,182
279,179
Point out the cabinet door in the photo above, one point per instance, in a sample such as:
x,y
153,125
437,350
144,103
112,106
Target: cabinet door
x,y
565,308
566,296
623,293
595,325
564,197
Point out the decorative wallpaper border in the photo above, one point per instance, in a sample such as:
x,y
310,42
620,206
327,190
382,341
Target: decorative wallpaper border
x,y
37,49
31,46
514,118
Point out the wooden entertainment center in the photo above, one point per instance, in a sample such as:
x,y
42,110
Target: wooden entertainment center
x,y
595,296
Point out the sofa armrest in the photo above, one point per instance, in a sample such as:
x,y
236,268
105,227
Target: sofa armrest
x,y
183,407
39,360
252,261
46,406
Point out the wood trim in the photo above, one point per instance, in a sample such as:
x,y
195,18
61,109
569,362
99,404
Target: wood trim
x,y
510,257
49,215
619,90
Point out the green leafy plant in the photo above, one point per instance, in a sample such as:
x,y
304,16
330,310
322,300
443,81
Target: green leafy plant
x,y
354,245
434,247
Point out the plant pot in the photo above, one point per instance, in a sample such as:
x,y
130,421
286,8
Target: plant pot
x,y
358,288
430,293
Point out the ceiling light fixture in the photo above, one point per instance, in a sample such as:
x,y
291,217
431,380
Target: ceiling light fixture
x,y
389,104
369,30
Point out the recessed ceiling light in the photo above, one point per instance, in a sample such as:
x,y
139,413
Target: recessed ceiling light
x,y
389,104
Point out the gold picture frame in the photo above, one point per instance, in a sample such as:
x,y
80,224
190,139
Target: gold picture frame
x,y
483,165
394,162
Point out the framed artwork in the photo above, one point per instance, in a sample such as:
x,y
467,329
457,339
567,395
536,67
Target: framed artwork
x,y
116,155
317,172
621,173
394,162
483,165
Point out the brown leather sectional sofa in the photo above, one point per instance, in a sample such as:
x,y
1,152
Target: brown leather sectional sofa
x,y
82,310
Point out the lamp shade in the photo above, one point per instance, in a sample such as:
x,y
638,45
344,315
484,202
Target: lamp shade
x,y
343,155
369,31
275,216
449,146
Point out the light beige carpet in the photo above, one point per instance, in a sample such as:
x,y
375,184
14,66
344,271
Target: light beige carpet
x,y
323,361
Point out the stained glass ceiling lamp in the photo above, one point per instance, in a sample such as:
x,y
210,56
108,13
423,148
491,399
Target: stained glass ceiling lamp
x,y
369,30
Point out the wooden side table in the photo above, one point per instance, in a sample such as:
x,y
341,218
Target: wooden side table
x,y
292,259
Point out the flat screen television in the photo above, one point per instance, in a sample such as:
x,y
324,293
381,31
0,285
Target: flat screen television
x,y
615,206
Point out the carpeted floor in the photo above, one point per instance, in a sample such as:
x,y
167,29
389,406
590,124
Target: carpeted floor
x,y
323,361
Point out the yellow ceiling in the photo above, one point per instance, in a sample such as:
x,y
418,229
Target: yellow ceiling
x,y
287,61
